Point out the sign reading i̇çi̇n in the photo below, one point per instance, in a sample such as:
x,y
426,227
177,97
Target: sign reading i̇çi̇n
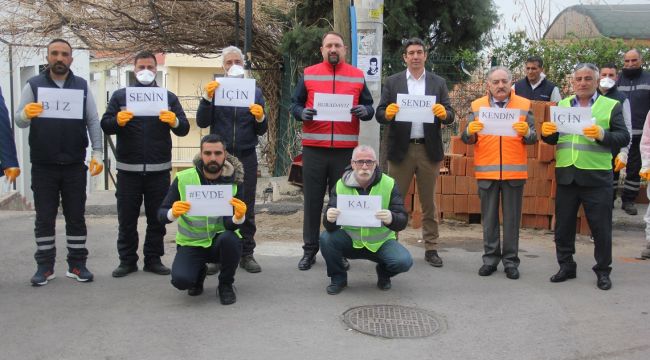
x,y
235,92
209,200
571,120
415,108
61,103
146,101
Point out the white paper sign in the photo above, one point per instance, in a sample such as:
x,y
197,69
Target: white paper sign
x,y
415,108
61,103
371,66
235,92
209,200
146,101
498,121
571,120
333,107
358,210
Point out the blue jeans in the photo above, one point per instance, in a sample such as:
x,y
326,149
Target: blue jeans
x,y
392,258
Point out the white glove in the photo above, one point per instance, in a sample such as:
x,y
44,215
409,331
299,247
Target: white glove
x,y
385,216
622,157
333,214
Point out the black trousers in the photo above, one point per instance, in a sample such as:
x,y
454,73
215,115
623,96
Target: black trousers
x,y
632,168
225,249
248,228
598,208
132,188
321,169
67,183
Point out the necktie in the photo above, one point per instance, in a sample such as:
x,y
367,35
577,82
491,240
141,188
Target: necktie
x,y
500,103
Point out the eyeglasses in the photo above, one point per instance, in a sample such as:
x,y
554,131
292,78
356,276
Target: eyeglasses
x,y
364,162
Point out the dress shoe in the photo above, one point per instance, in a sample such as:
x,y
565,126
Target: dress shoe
x,y
346,264
306,262
487,270
249,264
384,284
604,282
512,273
124,270
197,289
431,256
334,289
629,208
226,294
563,275
213,268
157,268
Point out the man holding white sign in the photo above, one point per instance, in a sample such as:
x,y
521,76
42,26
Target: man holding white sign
x,y
240,128
583,172
57,151
142,118
206,239
500,166
415,145
369,230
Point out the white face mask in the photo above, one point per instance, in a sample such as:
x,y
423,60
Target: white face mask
x,y
145,77
607,83
236,71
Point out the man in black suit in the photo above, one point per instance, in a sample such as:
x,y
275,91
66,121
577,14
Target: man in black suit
x,y
416,148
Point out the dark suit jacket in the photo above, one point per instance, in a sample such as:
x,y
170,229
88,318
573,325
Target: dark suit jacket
x,y
7,146
399,133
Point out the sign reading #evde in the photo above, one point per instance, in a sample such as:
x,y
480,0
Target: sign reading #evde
x,y
571,120
61,103
498,121
415,108
333,107
146,101
209,200
358,210
235,92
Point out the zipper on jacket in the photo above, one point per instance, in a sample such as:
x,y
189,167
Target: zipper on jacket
x,y
333,92
500,158
234,127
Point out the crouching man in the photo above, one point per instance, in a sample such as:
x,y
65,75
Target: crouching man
x,y
206,239
377,244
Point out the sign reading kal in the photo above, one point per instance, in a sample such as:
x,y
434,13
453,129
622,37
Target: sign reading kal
x,y
235,92
358,210
571,120
333,107
498,121
209,200
61,103
415,108
146,101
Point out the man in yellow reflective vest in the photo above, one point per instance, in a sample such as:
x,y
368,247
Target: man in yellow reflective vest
x,y
583,172
377,244
206,239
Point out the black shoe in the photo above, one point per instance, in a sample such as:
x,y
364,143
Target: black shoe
x,y
512,273
564,274
487,270
124,270
226,294
384,284
334,289
346,264
213,268
157,268
197,289
249,264
629,208
44,273
306,262
431,256
604,282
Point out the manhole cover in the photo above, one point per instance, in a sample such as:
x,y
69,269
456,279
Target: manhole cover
x,y
393,321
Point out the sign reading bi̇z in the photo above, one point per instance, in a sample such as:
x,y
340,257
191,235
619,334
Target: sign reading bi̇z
x,y
61,103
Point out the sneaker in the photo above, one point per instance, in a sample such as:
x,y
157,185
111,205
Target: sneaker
x,y
124,270
226,294
629,208
249,264
431,256
79,272
197,289
44,273
157,268
213,268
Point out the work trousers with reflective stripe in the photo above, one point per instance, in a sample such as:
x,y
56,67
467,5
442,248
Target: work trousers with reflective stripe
x,y
67,183
190,260
248,228
321,169
132,188
596,201
392,258
632,168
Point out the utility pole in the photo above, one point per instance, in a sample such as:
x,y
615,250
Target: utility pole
x,y
341,14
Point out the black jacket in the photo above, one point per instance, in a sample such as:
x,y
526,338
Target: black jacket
x,y
8,157
396,204
144,139
637,90
399,133
235,125
541,93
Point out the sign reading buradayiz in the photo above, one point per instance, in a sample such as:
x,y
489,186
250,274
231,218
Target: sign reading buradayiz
x,y
146,101
235,92
61,103
209,200
571,120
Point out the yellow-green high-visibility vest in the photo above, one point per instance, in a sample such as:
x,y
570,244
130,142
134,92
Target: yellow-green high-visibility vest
x,y
196,230
370,238
579,151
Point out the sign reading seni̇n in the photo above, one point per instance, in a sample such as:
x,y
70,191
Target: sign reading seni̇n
x,y
498,121
415,108
358,210
333,107
209,200
61,103
571,120
235,92
146,101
